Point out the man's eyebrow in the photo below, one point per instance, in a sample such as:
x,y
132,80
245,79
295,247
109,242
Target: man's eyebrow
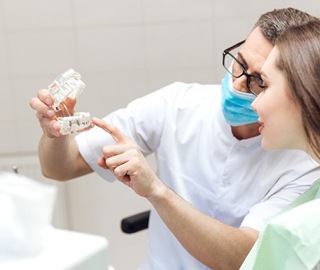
x,y
242,60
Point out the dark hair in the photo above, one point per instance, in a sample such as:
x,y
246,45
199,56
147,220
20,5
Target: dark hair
x,y
272,24
299,61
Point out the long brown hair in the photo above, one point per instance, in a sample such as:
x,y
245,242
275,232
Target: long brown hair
x,y
299,60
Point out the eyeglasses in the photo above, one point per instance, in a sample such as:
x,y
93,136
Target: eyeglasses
x,y
254,82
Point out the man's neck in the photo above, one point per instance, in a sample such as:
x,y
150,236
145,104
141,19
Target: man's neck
x,y
246,131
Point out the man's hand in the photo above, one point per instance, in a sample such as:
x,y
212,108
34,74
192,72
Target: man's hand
x,y
46,115
127,162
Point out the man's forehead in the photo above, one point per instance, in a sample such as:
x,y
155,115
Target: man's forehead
x,y
255,50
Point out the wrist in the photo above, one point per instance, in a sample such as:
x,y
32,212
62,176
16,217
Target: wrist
x,y
159,193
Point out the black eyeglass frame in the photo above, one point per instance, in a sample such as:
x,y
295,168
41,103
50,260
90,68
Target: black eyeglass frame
x,y
244,70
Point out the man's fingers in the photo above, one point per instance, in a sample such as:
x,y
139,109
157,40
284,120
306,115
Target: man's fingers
x,y
102,163
116,134
45,96
42,104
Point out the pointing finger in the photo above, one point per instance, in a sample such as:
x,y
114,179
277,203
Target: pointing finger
x,y
116,134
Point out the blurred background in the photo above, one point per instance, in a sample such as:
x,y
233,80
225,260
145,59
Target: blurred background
x,y
123,50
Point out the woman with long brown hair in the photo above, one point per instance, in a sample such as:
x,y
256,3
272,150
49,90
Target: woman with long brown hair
x,y
289,114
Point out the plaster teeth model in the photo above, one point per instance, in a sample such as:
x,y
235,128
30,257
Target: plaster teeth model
x,y
75,124
66,85
69,85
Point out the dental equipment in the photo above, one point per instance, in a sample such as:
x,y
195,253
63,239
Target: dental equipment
x,y
69,85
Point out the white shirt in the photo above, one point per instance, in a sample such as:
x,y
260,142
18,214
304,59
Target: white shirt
x,y
236,182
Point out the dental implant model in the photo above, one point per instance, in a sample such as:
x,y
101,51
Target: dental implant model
x,y
69,85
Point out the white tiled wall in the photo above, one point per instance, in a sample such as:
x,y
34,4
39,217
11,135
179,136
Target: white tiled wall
x,y
123,49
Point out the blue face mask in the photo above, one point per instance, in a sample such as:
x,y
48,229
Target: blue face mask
x,y
236,105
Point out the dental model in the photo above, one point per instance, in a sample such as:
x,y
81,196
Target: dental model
x,y
69,85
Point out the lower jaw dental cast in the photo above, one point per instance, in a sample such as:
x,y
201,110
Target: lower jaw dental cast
x,y
69,85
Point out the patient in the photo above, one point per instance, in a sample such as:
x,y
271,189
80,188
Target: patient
x,y
289,114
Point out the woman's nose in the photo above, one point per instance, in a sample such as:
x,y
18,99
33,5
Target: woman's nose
x,y
255,102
